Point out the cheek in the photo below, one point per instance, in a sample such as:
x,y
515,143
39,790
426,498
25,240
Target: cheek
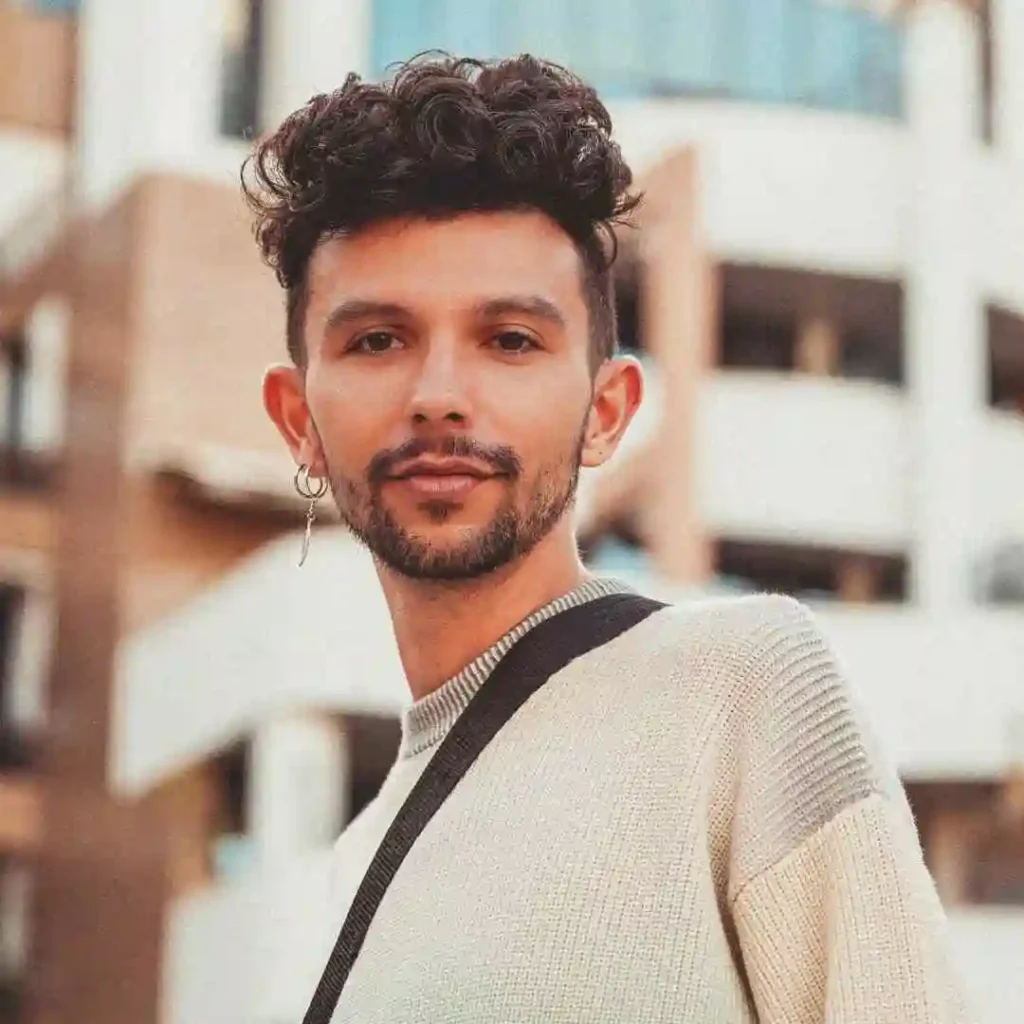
x,y
550,434
350,428
546,399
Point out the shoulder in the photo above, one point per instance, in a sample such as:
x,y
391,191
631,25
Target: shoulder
x,y
760,666
793,744
771,666
748,624
742,644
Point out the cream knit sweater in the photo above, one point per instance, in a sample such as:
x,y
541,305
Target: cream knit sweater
x,y
690,824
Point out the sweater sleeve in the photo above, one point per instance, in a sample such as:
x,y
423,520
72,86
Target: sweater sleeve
x,y
837,917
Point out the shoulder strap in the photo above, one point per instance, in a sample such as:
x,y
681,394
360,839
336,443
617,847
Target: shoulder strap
x,y
538,655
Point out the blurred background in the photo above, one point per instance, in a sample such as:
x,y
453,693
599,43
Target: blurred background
x,y
826,286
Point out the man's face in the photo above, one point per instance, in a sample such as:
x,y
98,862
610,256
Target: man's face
x,y
448,387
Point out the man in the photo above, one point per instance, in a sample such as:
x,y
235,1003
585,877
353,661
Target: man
x,y
688,823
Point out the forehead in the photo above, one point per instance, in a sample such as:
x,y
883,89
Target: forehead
x,y
449,264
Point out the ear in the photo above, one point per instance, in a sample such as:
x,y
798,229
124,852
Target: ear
x,y
284,398
618,391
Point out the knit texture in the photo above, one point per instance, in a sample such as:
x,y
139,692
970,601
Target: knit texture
x,y
427,722
692,823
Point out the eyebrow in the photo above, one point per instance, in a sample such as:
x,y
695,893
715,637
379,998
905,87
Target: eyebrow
x,y
529,305
355,310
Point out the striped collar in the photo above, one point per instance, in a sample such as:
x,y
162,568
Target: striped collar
x,y
426,722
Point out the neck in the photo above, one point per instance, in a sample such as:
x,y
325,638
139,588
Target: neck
x,y
441,627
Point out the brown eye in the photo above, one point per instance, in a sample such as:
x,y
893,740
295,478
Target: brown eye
x,y
514,343
375,343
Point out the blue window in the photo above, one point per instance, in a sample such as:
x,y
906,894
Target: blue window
x,y
816,52
54,6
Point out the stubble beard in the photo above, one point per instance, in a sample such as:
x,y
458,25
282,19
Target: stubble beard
x,y
511,534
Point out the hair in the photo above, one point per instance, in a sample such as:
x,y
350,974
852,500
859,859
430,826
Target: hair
x,y
443,137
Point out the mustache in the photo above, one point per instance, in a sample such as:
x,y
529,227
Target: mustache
x,y
501,458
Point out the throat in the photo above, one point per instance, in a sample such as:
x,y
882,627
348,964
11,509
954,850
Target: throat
x,y
427,721
442,627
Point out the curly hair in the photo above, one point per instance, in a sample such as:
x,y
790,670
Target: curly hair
x,y
444,136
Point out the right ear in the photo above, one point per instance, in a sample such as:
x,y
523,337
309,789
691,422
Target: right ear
x,y
284,398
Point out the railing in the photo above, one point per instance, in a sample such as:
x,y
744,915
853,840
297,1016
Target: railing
x,y
814,52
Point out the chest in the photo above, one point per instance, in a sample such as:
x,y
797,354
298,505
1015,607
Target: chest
x,y
557,883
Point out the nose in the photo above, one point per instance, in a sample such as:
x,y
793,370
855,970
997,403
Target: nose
x,y
440,392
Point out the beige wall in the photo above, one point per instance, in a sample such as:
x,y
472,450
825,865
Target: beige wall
x,y
37,66
679,315
189,307
175,549
208,319
27,522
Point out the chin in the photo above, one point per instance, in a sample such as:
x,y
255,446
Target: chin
x,y
447,536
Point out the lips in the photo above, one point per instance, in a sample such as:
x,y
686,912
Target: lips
x,y
442,468
442,479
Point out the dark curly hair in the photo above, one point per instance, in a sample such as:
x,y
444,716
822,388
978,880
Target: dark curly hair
x,y
444,136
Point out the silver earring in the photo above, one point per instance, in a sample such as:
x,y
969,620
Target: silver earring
x,y
304,485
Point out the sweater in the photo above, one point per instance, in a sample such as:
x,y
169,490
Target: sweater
x,y
692,823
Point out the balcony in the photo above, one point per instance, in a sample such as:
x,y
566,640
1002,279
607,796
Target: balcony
x,y
808,52
37,66
762,474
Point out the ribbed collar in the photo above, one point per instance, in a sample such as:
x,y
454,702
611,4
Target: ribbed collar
x,y
426,722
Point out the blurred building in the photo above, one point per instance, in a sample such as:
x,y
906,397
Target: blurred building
x,y
825,288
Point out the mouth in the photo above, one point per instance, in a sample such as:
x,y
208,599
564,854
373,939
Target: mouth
x,y
442,478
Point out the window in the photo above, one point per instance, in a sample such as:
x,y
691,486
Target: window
x,y
13,382
372,746
780,319
1000,575
33,377
13,753
753,342
627,310
52,6
872,355
241,56
232,852
988,45
14,910
619,552
972,835
812,573
1006,360
815,52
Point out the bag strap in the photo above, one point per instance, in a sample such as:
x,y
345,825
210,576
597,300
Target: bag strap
x,y
546,649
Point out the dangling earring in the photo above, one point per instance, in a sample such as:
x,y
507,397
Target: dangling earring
x,y
305,489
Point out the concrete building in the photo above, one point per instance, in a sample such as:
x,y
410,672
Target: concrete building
x,y
824,287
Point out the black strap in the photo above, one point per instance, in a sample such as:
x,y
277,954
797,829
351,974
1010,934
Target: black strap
x,y
533,659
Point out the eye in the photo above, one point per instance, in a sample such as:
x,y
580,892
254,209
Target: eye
x,y
375,343
514,343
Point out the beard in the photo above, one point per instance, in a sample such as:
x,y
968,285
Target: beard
x,y
511,533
